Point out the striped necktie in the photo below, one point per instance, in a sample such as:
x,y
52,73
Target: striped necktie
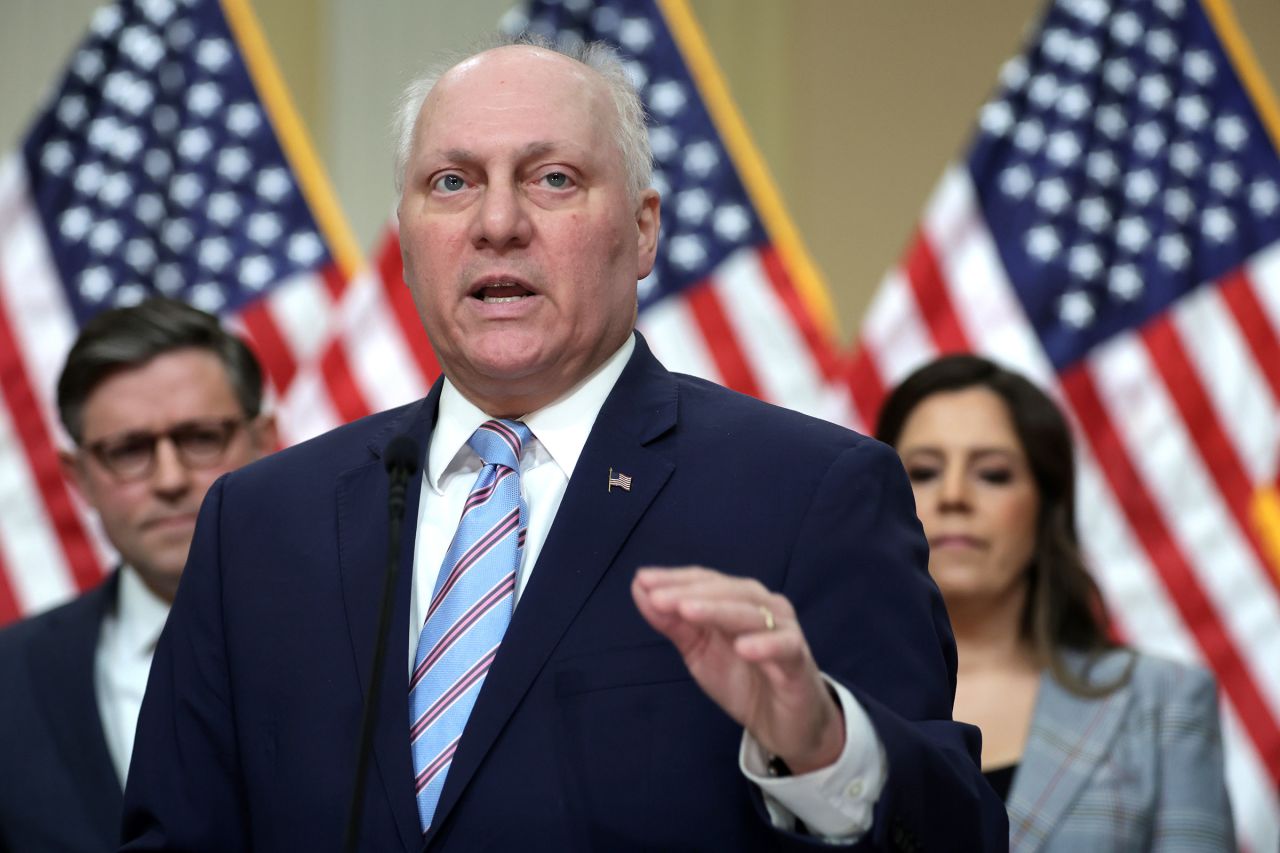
x,y
469,611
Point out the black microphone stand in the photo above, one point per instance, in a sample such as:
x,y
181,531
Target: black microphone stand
x,y
401,462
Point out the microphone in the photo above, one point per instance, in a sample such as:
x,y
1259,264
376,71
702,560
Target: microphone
x,y
401,460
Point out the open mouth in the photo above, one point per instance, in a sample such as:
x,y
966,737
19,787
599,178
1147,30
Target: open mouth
x,y
501,291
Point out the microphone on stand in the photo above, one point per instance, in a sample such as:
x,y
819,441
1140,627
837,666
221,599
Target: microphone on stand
x,y
401,460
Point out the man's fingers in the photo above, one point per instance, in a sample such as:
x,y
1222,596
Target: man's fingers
x,y
688,605
698,578
713,586
654,579
780,651
786,648
658,617
666,621
732,616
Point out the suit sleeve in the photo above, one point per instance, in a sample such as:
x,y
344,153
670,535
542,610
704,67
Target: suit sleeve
x,y
859,580
184,790
1192,809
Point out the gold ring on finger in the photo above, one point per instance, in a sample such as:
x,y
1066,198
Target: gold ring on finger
x,y
769,622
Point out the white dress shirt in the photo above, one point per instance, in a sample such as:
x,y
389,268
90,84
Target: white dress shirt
x,y
835,802
122,661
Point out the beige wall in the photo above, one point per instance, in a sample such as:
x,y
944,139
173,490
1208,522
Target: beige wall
x,y
857,105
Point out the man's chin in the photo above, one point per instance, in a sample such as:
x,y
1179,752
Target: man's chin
x,y
161,576
165,553
509,368
508,355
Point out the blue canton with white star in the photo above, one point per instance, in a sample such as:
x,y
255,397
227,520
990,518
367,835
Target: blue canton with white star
x,y
1119,166
706,212
156,170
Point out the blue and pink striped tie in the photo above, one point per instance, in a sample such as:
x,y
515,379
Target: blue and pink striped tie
x,y
469,610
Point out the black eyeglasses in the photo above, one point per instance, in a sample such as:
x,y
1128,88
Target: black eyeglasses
x,y
199,443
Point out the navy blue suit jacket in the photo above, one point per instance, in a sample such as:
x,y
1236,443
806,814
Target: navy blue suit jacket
x,y
58,787
589,733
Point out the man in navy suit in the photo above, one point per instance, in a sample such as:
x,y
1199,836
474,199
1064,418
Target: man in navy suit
x,y
724,636
160,401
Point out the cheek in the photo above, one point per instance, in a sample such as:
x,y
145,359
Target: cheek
x,y
425,283
1019,521
119,513
107,498
923,503
599,243
432,246
202,480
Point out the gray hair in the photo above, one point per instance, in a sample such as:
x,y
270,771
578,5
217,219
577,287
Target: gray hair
x,y
630,133
124,338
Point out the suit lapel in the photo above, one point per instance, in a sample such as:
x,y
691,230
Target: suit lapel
x,y
362,547
1070,735
62,674
590,527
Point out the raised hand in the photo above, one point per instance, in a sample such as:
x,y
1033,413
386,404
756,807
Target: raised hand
x,y
744,647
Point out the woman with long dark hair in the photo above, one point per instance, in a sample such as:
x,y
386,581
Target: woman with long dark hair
x,y
1092,745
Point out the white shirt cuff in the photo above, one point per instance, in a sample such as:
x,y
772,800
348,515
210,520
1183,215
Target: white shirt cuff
x,y
835,802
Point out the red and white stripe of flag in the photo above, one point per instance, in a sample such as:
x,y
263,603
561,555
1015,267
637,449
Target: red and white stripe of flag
x,y
48,551
747,328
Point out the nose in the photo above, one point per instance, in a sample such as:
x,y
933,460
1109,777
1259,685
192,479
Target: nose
x,y
170,477
953,489
502,220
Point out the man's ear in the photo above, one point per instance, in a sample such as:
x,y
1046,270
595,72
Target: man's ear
x,y
648,223
73,470
265,435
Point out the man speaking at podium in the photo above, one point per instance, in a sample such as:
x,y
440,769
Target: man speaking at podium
x,y
637,611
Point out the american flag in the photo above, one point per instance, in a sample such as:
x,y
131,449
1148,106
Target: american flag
x,y
622,481
167,159
1115,232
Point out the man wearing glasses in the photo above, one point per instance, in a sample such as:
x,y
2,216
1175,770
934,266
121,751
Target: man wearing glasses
x,y
159,401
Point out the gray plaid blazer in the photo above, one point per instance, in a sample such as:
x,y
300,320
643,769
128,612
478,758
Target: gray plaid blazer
x,y
1139,769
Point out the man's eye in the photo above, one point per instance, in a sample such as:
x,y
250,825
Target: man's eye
x,y
450,183
200,440
557,180
128,450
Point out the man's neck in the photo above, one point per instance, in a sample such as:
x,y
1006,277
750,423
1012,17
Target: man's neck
x,y
513,401
562,426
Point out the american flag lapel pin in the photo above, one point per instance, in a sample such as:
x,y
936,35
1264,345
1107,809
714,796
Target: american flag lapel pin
x,y
622,481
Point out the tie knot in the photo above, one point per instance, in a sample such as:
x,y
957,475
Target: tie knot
x,y
499,442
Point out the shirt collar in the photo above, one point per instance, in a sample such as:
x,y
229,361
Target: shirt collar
x,y
561,428
140,614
